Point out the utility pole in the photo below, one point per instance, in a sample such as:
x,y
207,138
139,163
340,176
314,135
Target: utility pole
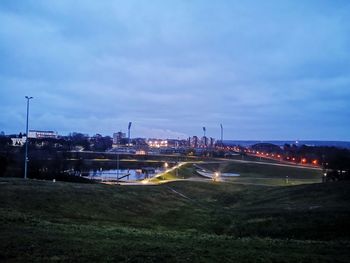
x,y
27,139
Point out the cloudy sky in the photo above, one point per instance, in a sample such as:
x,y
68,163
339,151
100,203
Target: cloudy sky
x,y
264,69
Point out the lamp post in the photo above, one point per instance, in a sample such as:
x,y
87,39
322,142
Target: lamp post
x,y
129,126
222,135
205,138
117,166
27,139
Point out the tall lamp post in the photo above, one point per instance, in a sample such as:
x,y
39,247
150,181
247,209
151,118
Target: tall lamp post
x,y
222,135
129,126
27,139
205,138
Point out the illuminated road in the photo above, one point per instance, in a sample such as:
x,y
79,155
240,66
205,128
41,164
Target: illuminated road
x,y
168,170
208,175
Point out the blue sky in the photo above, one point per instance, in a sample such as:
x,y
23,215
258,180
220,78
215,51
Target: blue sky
x,y
264,69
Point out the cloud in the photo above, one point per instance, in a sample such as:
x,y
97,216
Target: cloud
x,y
261,68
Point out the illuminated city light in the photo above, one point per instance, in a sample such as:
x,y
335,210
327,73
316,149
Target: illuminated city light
x,y
216,176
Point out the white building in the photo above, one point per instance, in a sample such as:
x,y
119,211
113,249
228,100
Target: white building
x,y
18,141
42,134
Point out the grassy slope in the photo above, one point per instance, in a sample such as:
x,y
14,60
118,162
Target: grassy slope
x,y
211,222
267,174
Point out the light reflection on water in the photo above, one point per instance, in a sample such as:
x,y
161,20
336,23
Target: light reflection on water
x,y
122,174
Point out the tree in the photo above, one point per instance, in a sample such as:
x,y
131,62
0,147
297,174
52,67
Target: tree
x,y
3,165
101,143
79,139
5,142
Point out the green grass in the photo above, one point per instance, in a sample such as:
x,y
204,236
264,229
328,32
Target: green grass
x,y
268,174
265,170
176,222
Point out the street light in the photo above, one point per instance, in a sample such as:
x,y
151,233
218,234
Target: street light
x,y
27,139
222,135
129,126
205,138
216,176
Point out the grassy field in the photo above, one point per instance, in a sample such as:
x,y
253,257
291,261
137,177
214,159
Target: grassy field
x,y
175,222
266,174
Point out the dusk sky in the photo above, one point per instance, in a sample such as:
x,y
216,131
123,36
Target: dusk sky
x,y
264,69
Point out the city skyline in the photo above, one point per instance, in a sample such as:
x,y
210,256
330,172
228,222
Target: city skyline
x,y
266,71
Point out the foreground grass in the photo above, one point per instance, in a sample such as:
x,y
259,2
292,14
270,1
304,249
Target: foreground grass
x,y
177,222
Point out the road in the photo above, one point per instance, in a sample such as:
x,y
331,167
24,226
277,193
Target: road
x,y
208,175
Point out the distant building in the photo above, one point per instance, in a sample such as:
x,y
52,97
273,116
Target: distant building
x,y
194,142
118,137
141,152
42,134
212,142
157,143
204,142
18,141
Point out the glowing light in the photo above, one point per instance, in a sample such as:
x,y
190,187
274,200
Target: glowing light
x,y
216,176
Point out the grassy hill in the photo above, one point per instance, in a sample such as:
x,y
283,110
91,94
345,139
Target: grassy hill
x,y
266,173
175,222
